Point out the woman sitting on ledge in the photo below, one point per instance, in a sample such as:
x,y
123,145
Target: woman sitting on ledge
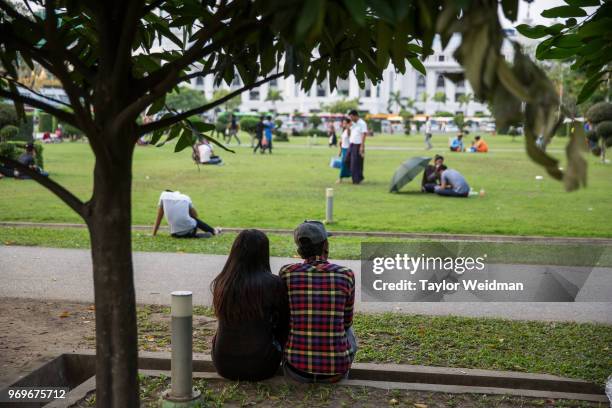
x,y
253,311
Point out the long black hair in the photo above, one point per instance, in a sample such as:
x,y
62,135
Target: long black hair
x,y
239,291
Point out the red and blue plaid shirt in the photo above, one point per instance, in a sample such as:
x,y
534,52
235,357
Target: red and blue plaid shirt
x,y
321,298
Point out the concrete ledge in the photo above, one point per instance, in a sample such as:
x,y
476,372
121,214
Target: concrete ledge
x,y
380,234
76,370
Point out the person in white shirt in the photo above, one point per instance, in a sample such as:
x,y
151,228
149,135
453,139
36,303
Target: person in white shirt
x,y
359,132
428,135
181,215
345,143
206,154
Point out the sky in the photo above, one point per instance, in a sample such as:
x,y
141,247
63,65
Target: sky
x,y
536,8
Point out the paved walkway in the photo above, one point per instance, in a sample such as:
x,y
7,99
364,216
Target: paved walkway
x,y
65,274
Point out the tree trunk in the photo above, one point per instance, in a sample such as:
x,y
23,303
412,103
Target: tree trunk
x,y
111,248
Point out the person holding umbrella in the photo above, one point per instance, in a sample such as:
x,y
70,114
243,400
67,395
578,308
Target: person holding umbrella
x,y
430,176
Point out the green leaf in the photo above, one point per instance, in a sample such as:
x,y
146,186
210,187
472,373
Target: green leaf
x,y
558,53
184,141
568,41
203,127
357,8
510,8
583,3
564,11
590,86
157,106
418,65
534,32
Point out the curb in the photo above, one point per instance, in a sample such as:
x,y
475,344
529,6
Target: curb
x,y
377,234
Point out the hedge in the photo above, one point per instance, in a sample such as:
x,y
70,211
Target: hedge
x,y
46,122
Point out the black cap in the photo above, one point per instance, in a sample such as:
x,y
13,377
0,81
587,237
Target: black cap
x,y
313,231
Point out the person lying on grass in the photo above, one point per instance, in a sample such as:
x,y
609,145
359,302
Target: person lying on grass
x,y
182,216
253,311
321,344
452,183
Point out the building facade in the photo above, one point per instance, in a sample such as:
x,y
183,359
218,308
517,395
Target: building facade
x,y
425,90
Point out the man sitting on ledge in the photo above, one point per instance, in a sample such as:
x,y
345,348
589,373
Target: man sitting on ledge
x,y
321,344
182,216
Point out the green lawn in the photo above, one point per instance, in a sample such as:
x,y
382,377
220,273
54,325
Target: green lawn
x,y
283,189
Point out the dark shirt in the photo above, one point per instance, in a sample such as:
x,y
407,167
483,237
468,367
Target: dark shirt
x,y
27,159
251,350
429,176
259,130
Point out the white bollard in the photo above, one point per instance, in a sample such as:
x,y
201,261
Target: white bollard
x,y
329,207
181,391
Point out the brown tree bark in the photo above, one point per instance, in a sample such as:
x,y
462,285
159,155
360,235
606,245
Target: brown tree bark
x,y
111,248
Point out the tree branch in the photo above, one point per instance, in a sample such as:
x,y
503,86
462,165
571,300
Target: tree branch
x,y
162,123
131,17
66,196
19,84
58,113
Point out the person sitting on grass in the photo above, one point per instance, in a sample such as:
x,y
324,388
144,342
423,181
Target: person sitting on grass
x,y
182,217
452,183
457,144
431,176
28,158
206,154
479,145
321,344
252,309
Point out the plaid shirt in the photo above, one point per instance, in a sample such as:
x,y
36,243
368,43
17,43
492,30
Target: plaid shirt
x,y
321,298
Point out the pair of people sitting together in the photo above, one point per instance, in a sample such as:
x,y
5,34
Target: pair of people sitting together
x,y
478,146
300,320
443,181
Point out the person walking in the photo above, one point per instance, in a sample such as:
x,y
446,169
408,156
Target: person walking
x,y
268,128
233,128
331,133
252,308
428,135
357,138
345,143
259,135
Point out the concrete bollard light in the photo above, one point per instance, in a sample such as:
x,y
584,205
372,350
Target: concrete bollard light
x,y
329,207
181,392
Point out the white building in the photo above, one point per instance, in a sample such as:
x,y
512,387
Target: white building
x,y
374,98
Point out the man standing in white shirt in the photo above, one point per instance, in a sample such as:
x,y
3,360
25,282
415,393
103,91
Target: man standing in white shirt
x,y
428,134
359,132
181,215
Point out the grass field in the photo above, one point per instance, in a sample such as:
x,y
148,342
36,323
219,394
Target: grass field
x,y
283,189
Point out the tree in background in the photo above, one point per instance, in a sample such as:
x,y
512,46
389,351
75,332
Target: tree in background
x,y
398,103
231,100
424,97
465,100
439,97
274,95
459,120
185,98
315,121
342,106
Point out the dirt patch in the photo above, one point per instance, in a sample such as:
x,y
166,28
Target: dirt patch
x,y
31,329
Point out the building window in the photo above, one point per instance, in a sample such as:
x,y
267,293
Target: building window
x,y
199,81
274,83
458,95
367,91
321,91
441,58
343,87
236,83
254,94
421,85
461,84
440,83
378,91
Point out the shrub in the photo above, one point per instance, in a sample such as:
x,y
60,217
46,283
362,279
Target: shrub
x,y
281,136
45,122
314,132
599,112
26,128
8,132
8,150
444,114
604,129
249,124
8,115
